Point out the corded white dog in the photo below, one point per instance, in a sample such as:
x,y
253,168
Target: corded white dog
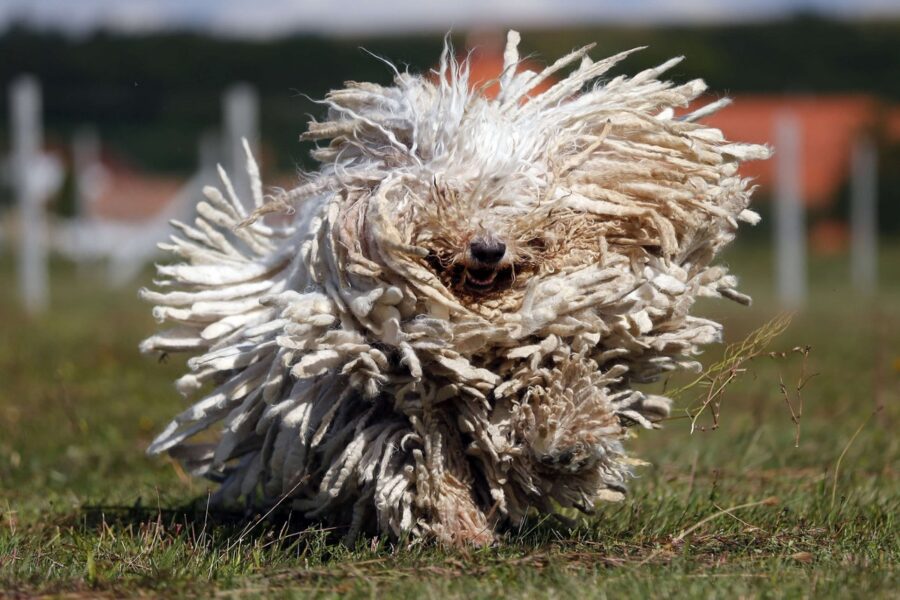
x,y
447,333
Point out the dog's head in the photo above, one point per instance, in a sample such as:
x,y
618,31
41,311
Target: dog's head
x,y
489,236
492,197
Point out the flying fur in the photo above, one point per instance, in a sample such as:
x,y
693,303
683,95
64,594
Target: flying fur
x,y
364,366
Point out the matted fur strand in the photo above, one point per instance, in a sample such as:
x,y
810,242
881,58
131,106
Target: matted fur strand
x,y
363,365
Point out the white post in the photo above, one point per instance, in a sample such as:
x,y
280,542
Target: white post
x,y
864,217
241,108
25,115
790,225
88,170
208,153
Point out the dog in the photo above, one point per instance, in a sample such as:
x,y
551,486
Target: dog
x,y
446,333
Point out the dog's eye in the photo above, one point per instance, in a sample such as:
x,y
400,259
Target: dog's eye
x,y
537,243
436,263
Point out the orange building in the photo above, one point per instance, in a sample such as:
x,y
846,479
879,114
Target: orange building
x,y
829,127
128,195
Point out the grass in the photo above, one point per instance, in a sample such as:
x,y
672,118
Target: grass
x,y
83,512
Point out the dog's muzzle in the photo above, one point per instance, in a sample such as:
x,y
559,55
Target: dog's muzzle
x,y
485,267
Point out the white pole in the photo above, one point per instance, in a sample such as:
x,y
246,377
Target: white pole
x,y
790,225
88,170
241,108
208,153
25,113
864,217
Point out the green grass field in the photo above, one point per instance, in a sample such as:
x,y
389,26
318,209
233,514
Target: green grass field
x,y
83,512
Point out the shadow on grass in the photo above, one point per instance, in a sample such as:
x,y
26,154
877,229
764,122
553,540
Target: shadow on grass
x,y
218,528
225,528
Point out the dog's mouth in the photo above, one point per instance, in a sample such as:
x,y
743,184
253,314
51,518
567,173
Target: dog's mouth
x,y
483,279
474,278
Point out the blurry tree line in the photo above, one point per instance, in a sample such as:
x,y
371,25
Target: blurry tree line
x,y
151,96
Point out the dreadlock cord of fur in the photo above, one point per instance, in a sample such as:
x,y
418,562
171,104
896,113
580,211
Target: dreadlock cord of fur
x,y
365,364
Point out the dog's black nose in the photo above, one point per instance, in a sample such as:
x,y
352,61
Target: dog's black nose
x,y
487,251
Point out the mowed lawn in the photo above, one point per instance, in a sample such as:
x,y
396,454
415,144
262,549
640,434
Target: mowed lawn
x,y
731,511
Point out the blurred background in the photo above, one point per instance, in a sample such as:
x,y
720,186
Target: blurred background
x,y
121,108
113,115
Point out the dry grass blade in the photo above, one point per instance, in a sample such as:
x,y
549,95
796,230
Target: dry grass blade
x,y
771,501
837,466
796,412
723,373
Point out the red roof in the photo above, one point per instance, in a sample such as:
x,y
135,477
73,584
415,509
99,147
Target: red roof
x,y
128,195
485,58
484,69
829,126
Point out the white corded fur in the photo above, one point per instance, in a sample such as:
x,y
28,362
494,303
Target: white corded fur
x,y
346,369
